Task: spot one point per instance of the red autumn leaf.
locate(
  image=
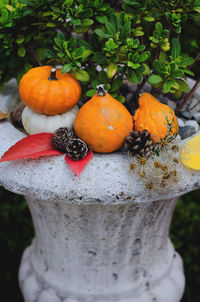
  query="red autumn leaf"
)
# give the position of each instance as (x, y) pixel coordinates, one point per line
(32, 146)
(78, 165)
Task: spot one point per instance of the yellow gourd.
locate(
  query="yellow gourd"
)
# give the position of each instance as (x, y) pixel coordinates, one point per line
(158, 119)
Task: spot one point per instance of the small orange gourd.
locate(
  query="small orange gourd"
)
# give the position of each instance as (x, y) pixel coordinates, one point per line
(48, 91)
(158, 119)
(103, 122)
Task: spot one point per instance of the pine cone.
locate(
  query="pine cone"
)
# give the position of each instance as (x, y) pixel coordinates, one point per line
(16, 115)
(76, 149)
(61, 137)
(138, 143)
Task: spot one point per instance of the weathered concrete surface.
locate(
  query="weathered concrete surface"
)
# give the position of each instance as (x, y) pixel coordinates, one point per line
(101, 253)
(100, 238)
(107, 179)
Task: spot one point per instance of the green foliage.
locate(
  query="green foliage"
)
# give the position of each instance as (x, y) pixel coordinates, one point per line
(133, 39)
(171, 70)
(160, 38)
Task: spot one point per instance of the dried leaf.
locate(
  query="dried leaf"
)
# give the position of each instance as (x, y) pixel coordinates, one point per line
(3, 115)
(78, 166)
(32, 146)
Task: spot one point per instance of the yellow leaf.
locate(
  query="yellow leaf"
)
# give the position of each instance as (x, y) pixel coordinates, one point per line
(3, 115)
(190, 153)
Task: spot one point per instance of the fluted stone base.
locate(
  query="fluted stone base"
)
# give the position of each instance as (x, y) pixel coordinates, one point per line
(101, 254)
(36, 288)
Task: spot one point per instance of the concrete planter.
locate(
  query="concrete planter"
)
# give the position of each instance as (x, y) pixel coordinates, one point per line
(100, 238)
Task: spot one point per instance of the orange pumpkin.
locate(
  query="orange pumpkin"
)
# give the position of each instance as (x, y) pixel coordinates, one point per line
(48, 91)
(158, 119)
(103, 122)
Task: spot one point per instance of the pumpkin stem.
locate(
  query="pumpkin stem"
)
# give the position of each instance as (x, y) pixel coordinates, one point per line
(52, 75)
(101, 90)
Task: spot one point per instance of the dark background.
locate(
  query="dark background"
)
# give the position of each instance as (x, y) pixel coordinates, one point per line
(16, 232)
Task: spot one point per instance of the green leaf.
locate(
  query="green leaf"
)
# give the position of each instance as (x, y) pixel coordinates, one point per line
(68, 3)
(159, 28)
(59, 42)
(66, 68)
(197, 9)
(114, 19)
(10, 8)
(81, 29)
(51, 24)
(108, 86)
(102, 33)
(175, 48)
(87, 22)
(20, 39)
(98, 58)
(125, 30)
(102, 19)
(136, 77)
(82, 42)
(177, 73)
(154, 40)
(110, 28)
(166, 87)
(48, 53)
(81, 75)
(72, 43)
(162, 56)
(8, 25)
(112, 69)
(98, 4)
(69, 55)
(91, 92)
(187, 61)
(147, 70)
(102, 77)
(86, 54)
(77, 54)
(4, 16)
(76, 22)
(60, 54)
(165, 46)
(174, 85)
(189, 72)
(155, 79)
(116, 84)
(21, 52)
(157, 67)
(121, 99)
(78, 64)
(94, 84)
(114, 95)
(143, 57)
(149, 19)
(110, 45)
(138, 33)
(183, 85)
(133, 65)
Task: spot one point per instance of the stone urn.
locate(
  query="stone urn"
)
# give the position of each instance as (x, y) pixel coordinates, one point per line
(102, 237)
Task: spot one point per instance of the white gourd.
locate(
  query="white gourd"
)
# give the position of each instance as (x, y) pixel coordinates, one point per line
(36, 123)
